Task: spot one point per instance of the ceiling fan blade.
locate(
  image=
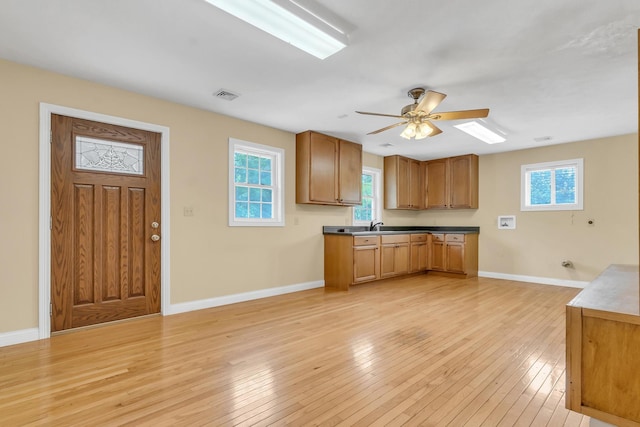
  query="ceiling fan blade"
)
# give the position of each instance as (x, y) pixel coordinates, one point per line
(434, 129)
(457, 115)
(430, 101)
(380, 114)
(388, 127)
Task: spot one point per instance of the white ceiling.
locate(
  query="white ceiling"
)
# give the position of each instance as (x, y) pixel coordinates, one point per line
(546, 68)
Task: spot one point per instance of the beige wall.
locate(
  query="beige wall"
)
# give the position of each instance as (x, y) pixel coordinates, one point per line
(542, 240)
(210, 259)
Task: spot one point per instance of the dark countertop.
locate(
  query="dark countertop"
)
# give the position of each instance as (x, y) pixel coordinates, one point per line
(354, 230)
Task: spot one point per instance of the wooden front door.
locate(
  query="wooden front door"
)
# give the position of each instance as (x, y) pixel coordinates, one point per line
(105, 222)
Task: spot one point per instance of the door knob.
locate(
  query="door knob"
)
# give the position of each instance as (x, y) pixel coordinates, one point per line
(155, 237)
(155, 225)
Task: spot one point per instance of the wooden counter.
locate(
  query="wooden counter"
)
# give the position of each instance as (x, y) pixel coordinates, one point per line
(603, 348)
(353, 258)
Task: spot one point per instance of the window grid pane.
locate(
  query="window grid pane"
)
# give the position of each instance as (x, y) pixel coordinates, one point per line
(565, 185)
(540, 187)
(256, 172)
(552, 186)
(364, 212)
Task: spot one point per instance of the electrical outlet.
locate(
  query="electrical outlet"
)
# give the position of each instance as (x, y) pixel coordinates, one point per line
(188, 211)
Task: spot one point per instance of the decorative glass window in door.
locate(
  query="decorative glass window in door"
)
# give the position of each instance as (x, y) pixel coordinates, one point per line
(101, 155)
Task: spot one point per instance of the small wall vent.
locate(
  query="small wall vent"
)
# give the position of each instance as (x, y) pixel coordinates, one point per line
(226, 94)
(543, 139)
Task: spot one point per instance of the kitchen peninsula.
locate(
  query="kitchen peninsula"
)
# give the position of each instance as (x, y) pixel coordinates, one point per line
(354, 255)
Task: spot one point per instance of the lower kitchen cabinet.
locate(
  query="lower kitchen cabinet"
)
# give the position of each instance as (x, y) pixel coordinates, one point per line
(419, 252)
(349, 260)
(394, 255)
(366, 259)
(455, 253)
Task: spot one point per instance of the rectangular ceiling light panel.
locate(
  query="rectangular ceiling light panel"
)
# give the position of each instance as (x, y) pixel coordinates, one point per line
(476, 130)
(289, 22)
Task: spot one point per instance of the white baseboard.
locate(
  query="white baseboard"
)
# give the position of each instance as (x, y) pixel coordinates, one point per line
(26, 335)
(18, 337)
(245, 296)
(534, 279)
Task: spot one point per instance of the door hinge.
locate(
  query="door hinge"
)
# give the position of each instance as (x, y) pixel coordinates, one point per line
(50, 223)
(50, 309)
(50, 137)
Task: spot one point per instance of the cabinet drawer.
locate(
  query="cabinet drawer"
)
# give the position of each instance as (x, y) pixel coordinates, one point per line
(455, 237)
(418, 237)
(437, 237)
(365, 240)
(395, 238)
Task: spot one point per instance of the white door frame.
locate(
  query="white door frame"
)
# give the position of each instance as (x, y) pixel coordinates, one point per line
(44, 254)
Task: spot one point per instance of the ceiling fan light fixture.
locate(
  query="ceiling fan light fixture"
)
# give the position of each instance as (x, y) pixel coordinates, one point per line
(423, 131)
(409, 132)
(290, 22)
(416, 131)
(480, 132)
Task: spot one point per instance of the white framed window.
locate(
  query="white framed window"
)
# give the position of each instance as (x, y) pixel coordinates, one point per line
(256, 184)
(371, 207)
(552, 186)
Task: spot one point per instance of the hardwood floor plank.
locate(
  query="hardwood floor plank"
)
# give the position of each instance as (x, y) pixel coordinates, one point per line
(453, 395)
(423, 350)
(509, 387)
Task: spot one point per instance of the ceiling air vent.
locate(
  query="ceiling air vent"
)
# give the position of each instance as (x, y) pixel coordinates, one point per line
(543, 139)
(226, 94)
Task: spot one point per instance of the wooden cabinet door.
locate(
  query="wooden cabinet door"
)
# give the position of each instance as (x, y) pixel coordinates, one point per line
(350, 173)
(323, 169)
(415, 185)
(394, 259)
(403, 183)
(387, 260)
(438, 256)
(419, 257)
(366, 263)
(402, 256)
(463, 182)
(437, 194)
(454, 257)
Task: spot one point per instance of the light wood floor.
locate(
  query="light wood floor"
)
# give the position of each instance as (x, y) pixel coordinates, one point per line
(420, 351)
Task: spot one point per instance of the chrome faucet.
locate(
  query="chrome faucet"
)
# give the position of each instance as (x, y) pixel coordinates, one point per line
(375, 226)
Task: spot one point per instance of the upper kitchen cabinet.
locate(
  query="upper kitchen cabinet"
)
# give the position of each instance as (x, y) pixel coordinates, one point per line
(452, 183)
(403, 183)
(328, 170)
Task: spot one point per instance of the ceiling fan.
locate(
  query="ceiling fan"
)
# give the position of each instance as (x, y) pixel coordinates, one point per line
(418, 116)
